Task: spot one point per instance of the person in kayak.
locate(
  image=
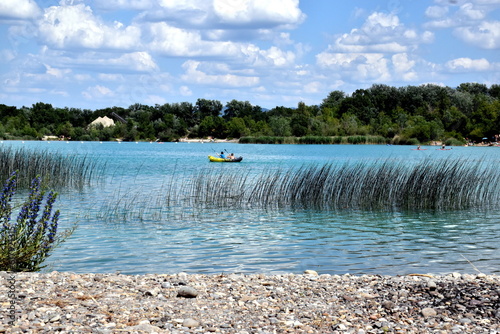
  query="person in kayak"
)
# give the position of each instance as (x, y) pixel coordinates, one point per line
(222, 155)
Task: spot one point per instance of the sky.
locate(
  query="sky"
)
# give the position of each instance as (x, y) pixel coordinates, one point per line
(94, 54)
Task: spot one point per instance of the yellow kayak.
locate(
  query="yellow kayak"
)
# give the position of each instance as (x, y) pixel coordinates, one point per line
(217, 159)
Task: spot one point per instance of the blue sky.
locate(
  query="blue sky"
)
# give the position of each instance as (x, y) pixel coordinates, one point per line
(103, 53)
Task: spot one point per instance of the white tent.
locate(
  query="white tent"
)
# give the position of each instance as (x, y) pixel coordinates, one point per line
(105, 121)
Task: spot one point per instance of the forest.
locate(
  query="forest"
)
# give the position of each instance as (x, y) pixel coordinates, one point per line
(469, 113)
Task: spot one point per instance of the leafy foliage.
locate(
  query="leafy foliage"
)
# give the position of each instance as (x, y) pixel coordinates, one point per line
(26, 242)
(408, 114)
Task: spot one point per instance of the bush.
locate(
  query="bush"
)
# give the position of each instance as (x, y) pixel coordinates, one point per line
(454, 142)
(337, 140)
(315, 140)
(356, 140)
(27, 242)
(267, 140)
(376, 140)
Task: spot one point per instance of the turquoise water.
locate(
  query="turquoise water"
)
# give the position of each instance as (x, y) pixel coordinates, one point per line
(126, 224)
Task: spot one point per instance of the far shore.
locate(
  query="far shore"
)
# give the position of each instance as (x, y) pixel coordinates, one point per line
(236, 141)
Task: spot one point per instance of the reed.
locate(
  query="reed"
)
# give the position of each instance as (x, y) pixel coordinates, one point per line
(316, 140)
(429, 184)
(56, 170)
(384, 185)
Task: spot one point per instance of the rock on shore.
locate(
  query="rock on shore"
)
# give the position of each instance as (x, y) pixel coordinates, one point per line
(290, 303)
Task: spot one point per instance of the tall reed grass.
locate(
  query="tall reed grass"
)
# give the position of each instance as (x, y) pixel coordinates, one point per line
(387, 185)
(429, 184)
(57, 170)
(319, 140)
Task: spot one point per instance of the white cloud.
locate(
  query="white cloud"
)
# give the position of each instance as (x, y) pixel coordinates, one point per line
(110, 77)
(82, 77)
(155, 99)
(138, 61)
(56, 72)
(436, 12)
(103, 62)
(7, 55)
(469, 20)
(402, 63)
(185, 91)
(468, 64)
(313, 87)
(486, 35)
(173, 41)
(404, 67)
(376, 51)
(255, 12)
(220, 18)
(469, 11)
(124, 4)
(98, 92)
(360, 66)
(380, 33)
(19, 9)
(76, 26)
(194, 75)
(273, 57)
(463, 14)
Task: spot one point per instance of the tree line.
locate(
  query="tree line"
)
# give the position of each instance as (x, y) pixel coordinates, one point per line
(410, 114)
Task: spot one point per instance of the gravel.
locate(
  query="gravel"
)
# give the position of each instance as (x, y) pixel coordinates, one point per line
(234, 303)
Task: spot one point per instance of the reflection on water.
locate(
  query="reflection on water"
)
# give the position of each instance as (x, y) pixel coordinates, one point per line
(125, 225)
(277, 242)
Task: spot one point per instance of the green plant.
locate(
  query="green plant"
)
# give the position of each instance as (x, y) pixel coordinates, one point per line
(57, 170)
(26, 242)
(454, 142)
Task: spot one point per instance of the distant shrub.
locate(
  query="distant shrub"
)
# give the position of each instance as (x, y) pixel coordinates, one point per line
(401, 140)
(338, 140)
(356, 139)
(315, 140)
(412, 141)
(454, 142)
(376, 140)
(267, 140)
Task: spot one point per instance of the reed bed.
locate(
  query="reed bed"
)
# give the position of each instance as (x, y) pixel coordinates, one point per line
(381, 185)
(57, 170)
(317, 140)
(384, 185)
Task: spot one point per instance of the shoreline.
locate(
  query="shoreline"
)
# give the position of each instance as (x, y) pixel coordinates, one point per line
(250, 303)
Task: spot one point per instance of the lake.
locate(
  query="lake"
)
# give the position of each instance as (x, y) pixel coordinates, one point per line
(133, 220)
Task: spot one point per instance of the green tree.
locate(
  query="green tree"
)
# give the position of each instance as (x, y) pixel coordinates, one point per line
(237, 128)
(205, 108)
(212, 126)
(280, 126)
(236, 108)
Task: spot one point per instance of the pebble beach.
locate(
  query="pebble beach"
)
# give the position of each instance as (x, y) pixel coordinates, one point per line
(65, 302)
